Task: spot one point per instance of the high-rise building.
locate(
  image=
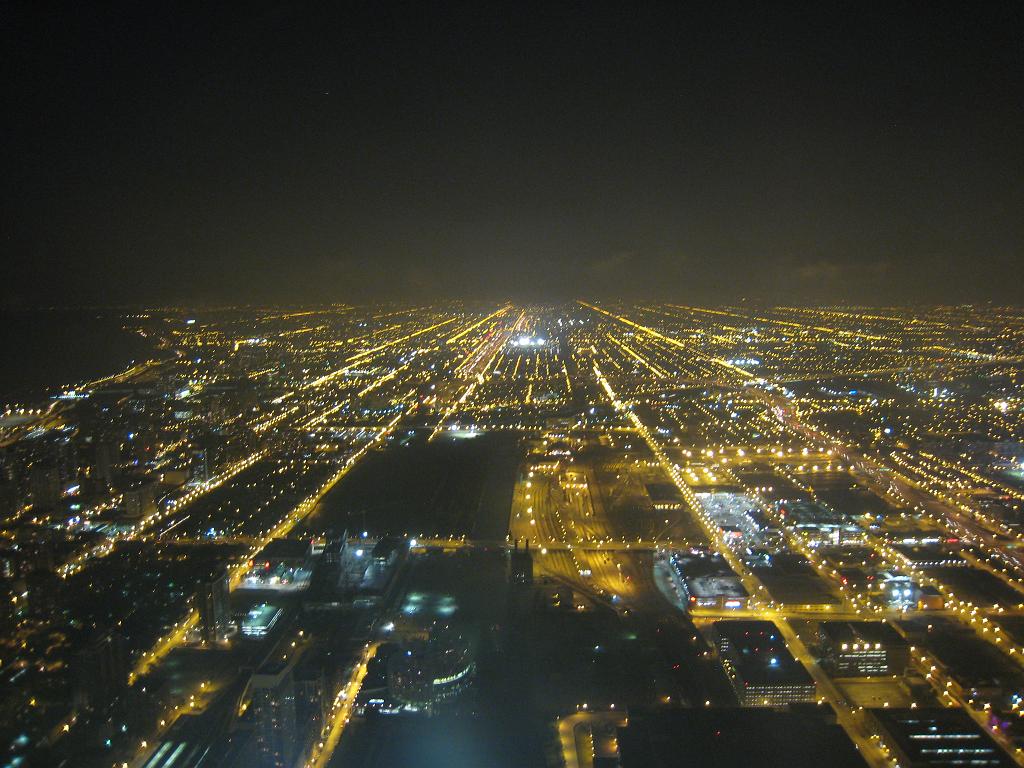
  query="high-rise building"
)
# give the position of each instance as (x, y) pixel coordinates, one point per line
(521, 564)
(44, 486)
(273, 705)
(200, 465)
(8, 498)
(213, 602)
(312, 697)
(100, 670)
(106, 458)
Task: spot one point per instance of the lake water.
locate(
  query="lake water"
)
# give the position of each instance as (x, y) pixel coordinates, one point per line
(44, 351)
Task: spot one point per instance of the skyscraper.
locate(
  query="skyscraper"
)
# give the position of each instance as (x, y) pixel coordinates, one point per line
(214, 605)
(273, 703)
(101, 669)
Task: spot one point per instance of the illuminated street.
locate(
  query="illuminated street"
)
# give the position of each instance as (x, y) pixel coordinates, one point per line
(658, 470)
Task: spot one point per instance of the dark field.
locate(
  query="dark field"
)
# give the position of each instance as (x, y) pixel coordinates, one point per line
(448, 487)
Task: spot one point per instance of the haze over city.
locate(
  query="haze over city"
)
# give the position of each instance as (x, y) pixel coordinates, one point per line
(352, 152)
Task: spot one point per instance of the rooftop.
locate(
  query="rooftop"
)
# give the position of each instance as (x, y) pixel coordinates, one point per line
(734, 738)
(940, 737)
(759, 652)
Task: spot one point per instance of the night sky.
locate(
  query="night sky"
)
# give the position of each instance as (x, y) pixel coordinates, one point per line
(860, 152)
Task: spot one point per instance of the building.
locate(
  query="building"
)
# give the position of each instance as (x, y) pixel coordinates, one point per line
(664, 496)
(923, 738)
(386, 551)
(260, 619)
(140, 499)
(273, 705)
(105, 458)
(897, 590)
(100, 670)
(213, 601)
(819, 523)
(862, 648)
(373, 693)
(292, 553)
(521, 564)
(735, 738)
(312, 693)
(284, 564)
(44, 487)
(762, 670)
(705, 580)
(199, 466)
(425, 674)
(930, 599)
(335, 549)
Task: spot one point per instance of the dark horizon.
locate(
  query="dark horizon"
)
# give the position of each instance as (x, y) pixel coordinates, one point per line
(867, 155)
